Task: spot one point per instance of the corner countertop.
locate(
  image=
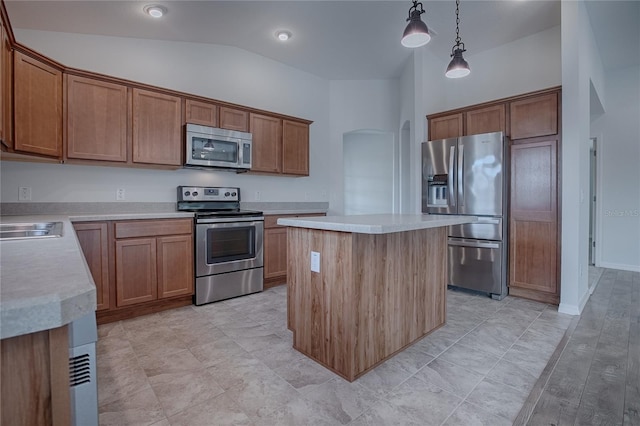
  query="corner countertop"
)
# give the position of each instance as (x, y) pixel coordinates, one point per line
(45, 281)
(377, 223)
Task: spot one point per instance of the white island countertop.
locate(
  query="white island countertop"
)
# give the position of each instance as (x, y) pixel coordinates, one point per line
(45, 281)
(377, 223)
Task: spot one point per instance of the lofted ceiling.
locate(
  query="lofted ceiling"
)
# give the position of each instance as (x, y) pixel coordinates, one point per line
(332, 39)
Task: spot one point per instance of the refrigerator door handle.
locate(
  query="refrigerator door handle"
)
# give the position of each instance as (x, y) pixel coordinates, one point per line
(452, 198)
(461, 175)
(453, 242)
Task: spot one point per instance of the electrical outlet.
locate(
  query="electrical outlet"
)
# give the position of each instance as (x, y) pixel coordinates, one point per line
(306, 196)
(24, 193)
(120, 194)
(324, 194)
(256, 196)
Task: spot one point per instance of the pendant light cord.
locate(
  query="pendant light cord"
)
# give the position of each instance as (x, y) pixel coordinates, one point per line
(458, 39)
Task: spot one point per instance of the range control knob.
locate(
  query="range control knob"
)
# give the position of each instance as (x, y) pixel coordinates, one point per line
(187, 193)
(233, 194)
(195, 193)
(226, 194)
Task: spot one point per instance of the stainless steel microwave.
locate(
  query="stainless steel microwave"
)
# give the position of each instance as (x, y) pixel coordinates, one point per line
(209, 147)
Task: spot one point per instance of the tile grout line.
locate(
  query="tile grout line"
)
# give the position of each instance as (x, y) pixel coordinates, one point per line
(536, 392)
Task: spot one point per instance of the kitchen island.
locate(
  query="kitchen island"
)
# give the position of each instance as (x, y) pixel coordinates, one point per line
(362, 288)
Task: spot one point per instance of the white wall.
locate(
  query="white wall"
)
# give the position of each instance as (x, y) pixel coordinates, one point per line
(358, 105)
(525, 65)
(219, 72)
(581, 70)
(618, 133)
(370, 181)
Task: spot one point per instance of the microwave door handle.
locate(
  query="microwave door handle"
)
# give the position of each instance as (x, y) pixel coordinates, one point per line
(461, 175)
(452, 198)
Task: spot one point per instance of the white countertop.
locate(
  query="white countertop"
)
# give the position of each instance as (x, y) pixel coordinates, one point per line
(45, 281)
(377, 223)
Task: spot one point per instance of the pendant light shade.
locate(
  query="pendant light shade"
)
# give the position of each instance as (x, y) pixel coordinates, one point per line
(458, 67)
(416, 33)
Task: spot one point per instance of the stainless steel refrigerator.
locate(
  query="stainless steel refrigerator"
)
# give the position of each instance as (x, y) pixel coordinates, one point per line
(467, 176)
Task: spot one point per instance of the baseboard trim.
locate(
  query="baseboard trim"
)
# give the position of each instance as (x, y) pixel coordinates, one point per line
(620, 266)
(571, 309)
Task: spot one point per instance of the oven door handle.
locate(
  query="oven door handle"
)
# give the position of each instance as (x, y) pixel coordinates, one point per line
(229, 220)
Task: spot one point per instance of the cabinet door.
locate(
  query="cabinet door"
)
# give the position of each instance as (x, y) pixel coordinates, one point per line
(234, 119)
(95, 246)
(535, 116)
(157, 128)
(175, 266)
(275, 252)
(485, 120)
(267, 143)
(96, 120)
(202, 113)
(449, 126)
(37, 107)
(136, 277)
(6, 94)
(295, 148)
(534, 218)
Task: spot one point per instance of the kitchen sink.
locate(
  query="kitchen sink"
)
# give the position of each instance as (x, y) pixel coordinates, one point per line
(20, 231)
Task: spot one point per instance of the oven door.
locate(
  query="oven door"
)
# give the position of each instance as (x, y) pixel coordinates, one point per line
(227, 245)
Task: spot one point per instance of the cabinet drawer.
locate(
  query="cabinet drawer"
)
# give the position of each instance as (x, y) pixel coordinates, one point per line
(271, 221)
(153, 228)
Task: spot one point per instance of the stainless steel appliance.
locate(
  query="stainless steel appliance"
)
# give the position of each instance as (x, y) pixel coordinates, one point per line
(228, 243)
(209, 147)
(467, 176)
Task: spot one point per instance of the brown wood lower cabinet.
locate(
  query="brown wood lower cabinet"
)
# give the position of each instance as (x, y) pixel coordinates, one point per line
(34, 379)
(94, 241)
(275, 249)
(139, 266)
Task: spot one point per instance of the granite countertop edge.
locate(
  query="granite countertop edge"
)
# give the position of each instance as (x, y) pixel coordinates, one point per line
(377, 224)
(46, 282)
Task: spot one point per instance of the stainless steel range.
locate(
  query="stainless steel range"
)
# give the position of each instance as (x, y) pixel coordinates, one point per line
(228, 243)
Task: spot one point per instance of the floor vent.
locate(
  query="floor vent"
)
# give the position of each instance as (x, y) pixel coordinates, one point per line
(80, 369)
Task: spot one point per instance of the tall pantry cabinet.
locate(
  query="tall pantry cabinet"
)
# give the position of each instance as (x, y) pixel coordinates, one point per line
(534, 213)
(532, 124)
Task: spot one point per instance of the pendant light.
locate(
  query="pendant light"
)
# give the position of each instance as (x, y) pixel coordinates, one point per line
(416, 34)
(458, 67)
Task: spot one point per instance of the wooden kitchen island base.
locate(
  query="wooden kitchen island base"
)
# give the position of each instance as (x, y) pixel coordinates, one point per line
(374, 295)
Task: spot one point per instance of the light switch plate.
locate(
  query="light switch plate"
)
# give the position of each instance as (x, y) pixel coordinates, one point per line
(315, 261)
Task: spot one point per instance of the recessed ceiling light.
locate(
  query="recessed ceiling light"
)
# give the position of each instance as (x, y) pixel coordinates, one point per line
(283, 35)
(155, 10)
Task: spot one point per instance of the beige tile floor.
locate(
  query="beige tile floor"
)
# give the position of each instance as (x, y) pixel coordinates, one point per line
(232, 363)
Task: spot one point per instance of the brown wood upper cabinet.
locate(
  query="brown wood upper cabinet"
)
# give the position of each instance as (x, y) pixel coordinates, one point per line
(202, 113)
(267, 143)
(234, 119)
(6, 92)
(534, 116)
(96, 120)
(37, 107)
(94, 241)
(295, 148)
(157, 128)
(485, 120)
(449, 126)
